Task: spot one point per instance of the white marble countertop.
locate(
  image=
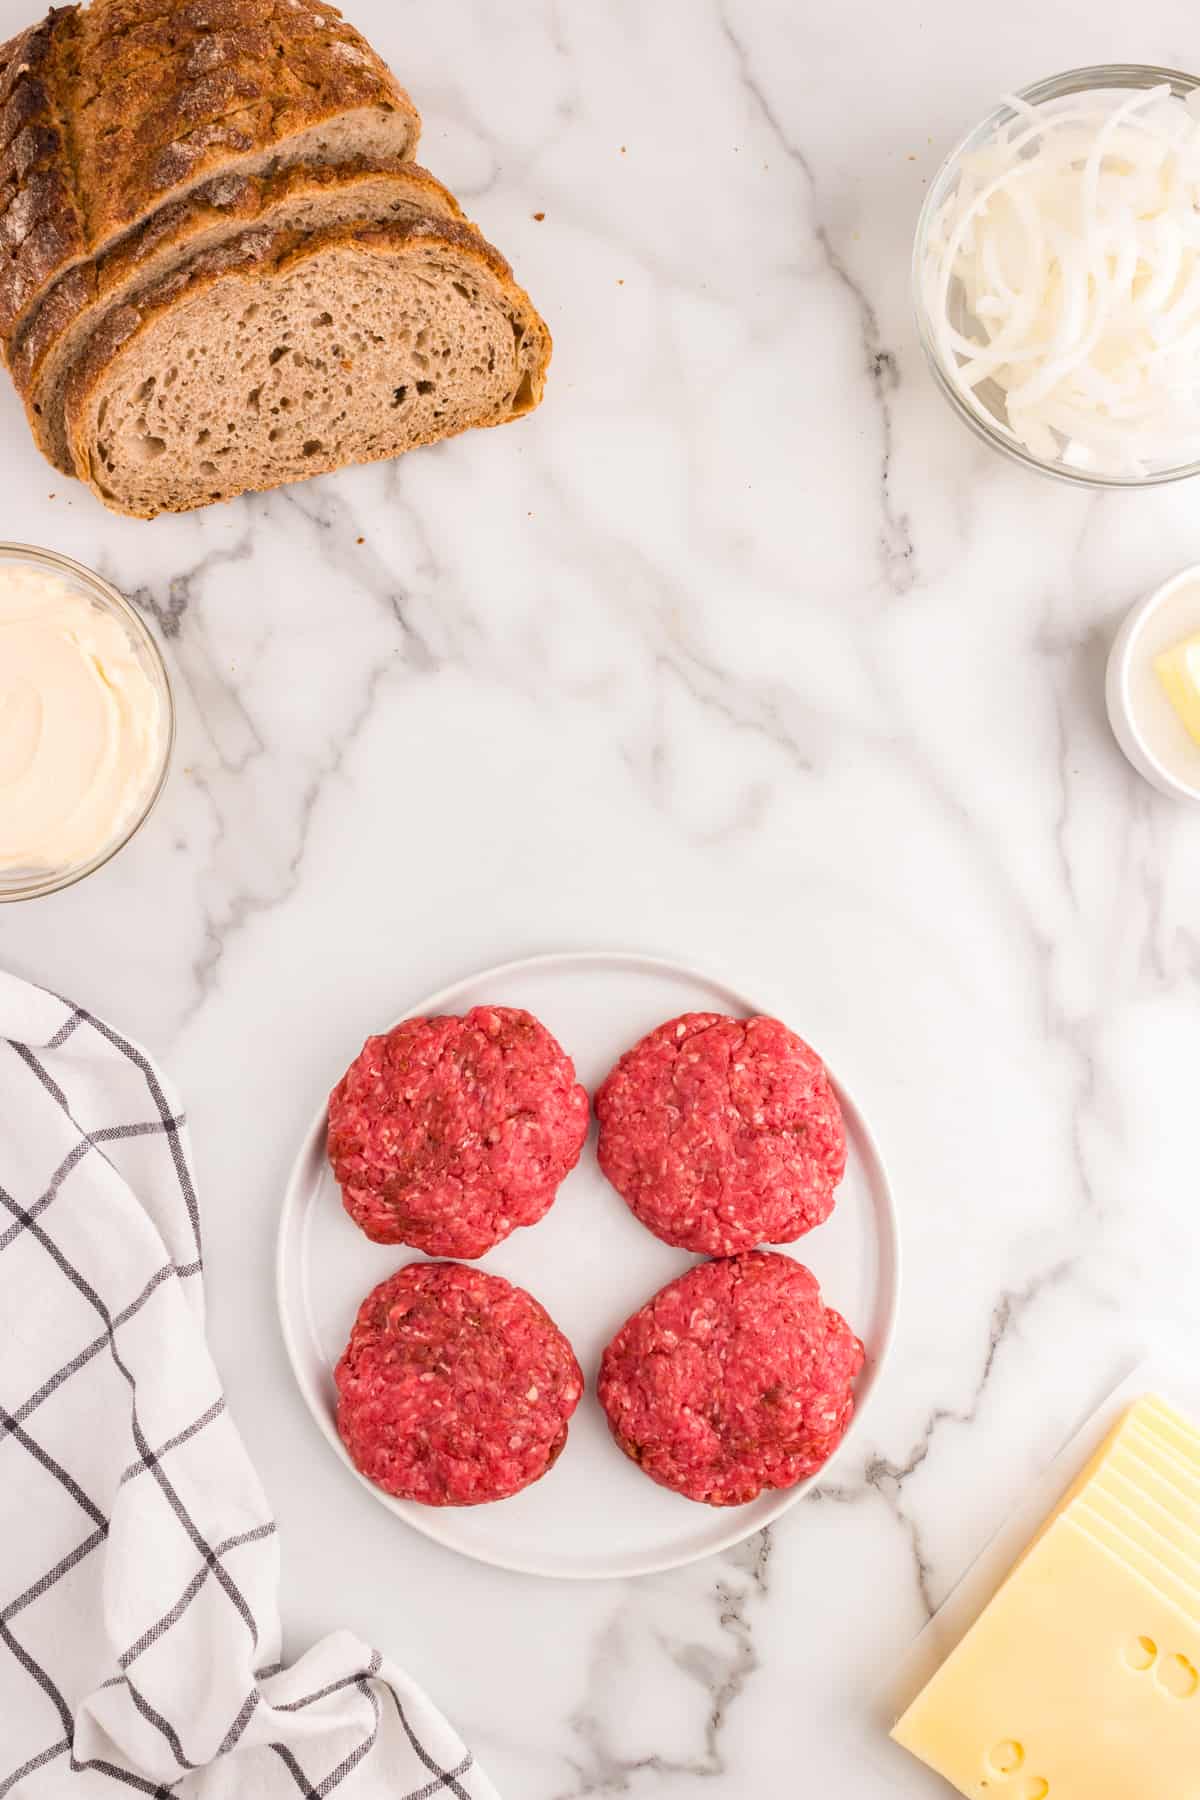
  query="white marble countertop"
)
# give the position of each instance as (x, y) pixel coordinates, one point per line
(742, 650)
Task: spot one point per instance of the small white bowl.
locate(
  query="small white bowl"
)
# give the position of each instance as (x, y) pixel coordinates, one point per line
(1145, 723)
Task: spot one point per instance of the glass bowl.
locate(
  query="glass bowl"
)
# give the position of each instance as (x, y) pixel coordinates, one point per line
(985, 412)
(28, 883)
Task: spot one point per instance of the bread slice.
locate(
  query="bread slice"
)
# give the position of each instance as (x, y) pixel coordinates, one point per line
(108, 112)
(300, 198)
(281, 355)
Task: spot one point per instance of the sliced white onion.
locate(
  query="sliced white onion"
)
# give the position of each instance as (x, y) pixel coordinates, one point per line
(1063, 267)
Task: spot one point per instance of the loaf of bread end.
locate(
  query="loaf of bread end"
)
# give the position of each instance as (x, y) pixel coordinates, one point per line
(300, 197)
(285, 354)
(110, 111)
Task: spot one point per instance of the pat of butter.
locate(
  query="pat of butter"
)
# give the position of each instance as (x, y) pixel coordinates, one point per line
(1081, 1679)
(1179, 671)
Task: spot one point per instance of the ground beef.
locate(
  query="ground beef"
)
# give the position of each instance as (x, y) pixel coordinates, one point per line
(722, 1134)
(447, 1133)
(455, 1388)
(734, 1378)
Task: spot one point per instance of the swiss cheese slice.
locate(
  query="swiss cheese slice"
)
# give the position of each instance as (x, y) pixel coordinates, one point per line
(1153, 1431)
(1081, 1679)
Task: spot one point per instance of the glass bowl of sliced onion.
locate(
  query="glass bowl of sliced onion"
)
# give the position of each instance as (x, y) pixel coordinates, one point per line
(1056, 274)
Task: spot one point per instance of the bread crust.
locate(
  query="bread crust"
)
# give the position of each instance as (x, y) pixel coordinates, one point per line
(108, 112)
(263, 253)
(229, 201)
(42, 225)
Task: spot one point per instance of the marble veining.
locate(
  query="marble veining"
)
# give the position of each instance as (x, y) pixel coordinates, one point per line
(885, 1477)
(742, 650)
(719, 1666)
(896, 549)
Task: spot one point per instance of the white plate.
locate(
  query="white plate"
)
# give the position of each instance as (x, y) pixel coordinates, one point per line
(590, 1264)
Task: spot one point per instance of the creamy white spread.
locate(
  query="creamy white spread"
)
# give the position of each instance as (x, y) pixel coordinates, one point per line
(81, 723)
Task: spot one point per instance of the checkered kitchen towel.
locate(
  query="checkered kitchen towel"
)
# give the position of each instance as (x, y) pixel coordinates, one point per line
(139, 1633)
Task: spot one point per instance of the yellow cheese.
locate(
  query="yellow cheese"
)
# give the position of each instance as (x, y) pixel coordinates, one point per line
(1140, 1431)
(1142, 1498)
(1081, 1679)
(1153, 1474)
(1109, 1529)
(1175, 1473)
(1079, 1682)
(1179, 671)
(1166, 1423)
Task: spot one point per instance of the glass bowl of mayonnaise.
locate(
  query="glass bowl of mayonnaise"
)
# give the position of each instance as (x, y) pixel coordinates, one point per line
(86, 722)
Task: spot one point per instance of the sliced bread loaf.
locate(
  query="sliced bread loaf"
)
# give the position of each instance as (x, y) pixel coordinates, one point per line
(109, 111)
(281, 354)
(299, 198)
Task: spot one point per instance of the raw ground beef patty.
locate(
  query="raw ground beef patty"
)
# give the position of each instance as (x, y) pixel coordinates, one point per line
(446, 1134)
(734, 1378)
(455, 1388)
(722, 1134)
